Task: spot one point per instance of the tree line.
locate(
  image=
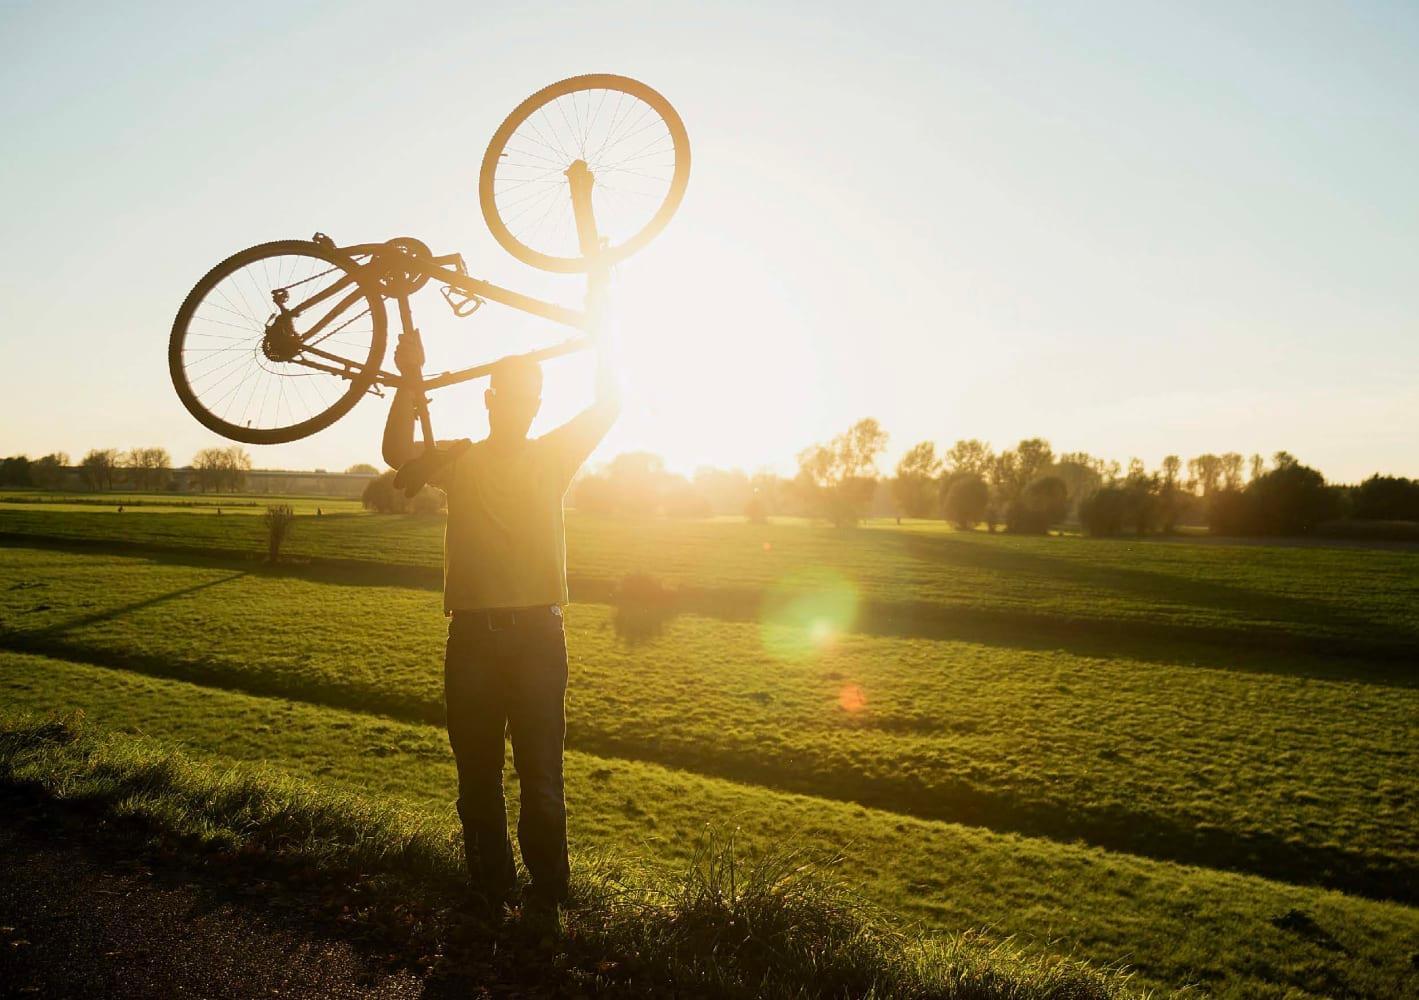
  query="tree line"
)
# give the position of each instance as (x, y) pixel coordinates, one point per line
(220, 470)
(1025, 489)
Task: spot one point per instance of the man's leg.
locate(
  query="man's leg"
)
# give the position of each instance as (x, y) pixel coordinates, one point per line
(537, 721)
(477, 724)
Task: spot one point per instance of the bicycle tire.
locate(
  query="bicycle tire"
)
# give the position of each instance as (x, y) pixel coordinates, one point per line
(326, 416)
(523, 112)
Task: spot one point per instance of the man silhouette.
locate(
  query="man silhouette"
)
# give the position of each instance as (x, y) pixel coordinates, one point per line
(505, 584)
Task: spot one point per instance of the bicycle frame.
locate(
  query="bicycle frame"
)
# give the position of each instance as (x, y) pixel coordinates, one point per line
(398, 271)
(450, 271)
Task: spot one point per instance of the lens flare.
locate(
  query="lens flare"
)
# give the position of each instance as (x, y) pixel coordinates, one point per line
(805, 613)
(852, 698)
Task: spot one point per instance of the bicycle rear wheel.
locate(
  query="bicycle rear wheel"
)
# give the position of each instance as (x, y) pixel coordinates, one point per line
(629, 136)
(277, 342)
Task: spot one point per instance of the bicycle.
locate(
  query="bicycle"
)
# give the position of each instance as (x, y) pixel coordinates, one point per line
(317, 349)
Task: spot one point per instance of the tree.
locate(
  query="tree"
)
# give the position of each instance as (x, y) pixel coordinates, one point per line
(1231, 464)
(1040, 506)
(1387, 498)
(1204, 474)
(149, 468)
(1170, 493)
(222, 468)
(837, 480)
(1258, 466)
(966, 500)
(48, 472)
(1081, 474)
(1005, 485)
(1035, 458)
(1141, 506)
(970, 457)
(914, 488)
(1291, 499)
(1013, 470)
(1102, 513)
(97, 468)
(15, 471)
(362, 469)
(238, 464)
(207, 463)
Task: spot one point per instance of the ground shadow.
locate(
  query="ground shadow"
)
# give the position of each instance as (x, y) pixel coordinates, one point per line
(1382, 661)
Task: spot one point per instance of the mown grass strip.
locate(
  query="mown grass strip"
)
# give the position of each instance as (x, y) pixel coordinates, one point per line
(1374, 657)
(1291, 778)
(775, 926)
(1366, 596)
(1238, 935)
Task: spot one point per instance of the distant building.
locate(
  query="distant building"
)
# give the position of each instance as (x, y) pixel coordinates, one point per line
(282, 482)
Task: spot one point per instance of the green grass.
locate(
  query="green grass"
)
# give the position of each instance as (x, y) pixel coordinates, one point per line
(170, 503)
(1361, 596)
(1236, 935)
(776, 926)
(1291, 777)
(1063, 739)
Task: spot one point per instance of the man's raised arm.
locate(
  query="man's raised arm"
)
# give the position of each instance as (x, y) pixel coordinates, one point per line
(574, 441)
(399, 444)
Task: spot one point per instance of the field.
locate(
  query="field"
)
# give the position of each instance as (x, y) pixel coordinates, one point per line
(1198, 760)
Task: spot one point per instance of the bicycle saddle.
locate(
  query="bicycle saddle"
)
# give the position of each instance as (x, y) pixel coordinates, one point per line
(413, 474)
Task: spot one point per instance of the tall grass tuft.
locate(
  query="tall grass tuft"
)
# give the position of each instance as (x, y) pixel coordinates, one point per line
(729, 925)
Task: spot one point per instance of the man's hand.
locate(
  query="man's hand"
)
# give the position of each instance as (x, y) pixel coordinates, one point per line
(409, 356)
(399, 444)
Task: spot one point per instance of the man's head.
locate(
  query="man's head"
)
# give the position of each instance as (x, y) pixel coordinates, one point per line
(514, 396)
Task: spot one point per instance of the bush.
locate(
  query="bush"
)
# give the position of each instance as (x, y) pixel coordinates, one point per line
(1142, 506)
(1386, 498)
(427, 501)
(279, 517)
(1229, 512)
(1103, 512)
(967, 498)
(381, 496)
(1291, 499)
(1042, 505)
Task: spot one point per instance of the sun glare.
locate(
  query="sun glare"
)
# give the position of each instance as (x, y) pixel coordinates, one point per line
(806, 612)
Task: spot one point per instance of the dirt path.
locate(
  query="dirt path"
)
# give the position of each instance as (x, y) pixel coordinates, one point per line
(80, 921)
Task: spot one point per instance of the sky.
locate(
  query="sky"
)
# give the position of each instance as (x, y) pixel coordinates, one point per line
(1131, 228)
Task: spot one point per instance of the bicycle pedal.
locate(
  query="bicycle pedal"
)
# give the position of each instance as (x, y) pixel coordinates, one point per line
(462, 305)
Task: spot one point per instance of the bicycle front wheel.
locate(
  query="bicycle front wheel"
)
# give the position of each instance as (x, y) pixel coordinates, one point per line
(630, 138)
(277, 342)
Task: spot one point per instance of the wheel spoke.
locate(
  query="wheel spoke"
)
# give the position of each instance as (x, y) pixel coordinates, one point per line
(626, 137)
(231, 364)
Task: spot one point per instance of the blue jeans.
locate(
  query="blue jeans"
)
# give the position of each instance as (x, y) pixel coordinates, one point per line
(510, 680)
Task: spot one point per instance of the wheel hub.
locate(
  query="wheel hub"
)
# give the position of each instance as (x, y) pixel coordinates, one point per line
(280, 342)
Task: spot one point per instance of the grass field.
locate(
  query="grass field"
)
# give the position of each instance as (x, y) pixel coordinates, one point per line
(923, 576)
(171, 503)
(1154, 753)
